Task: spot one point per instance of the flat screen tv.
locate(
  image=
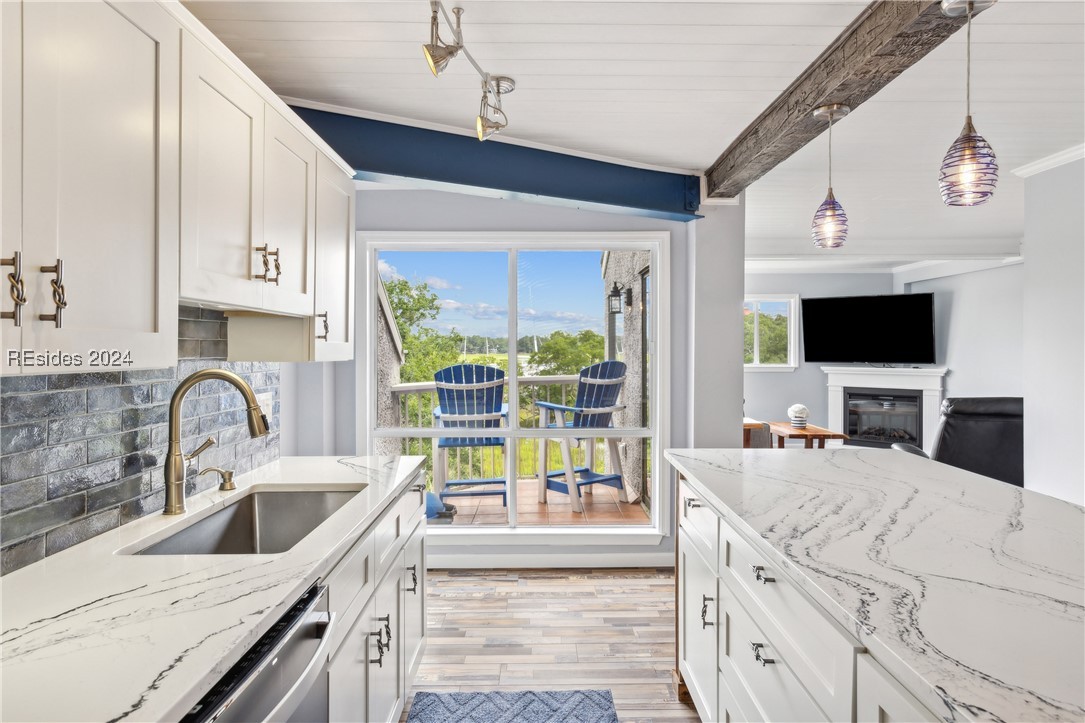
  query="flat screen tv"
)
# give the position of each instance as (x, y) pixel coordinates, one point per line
(892, 329)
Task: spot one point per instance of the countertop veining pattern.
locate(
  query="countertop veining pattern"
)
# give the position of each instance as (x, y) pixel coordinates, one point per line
(969, 591)
(90, 634)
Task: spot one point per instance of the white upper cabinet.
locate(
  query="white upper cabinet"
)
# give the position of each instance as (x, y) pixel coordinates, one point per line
(222, 156)
(90, 174)
(334, 309)
(290, 165)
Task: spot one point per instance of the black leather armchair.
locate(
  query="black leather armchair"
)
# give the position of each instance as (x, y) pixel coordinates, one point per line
(984, 435)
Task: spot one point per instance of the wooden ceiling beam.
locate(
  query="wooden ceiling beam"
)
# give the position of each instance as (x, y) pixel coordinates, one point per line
(887, 38)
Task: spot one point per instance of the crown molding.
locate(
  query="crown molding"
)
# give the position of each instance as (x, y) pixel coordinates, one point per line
(1074, 153)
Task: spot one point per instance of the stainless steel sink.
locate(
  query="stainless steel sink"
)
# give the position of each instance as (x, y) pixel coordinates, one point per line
(262, 522)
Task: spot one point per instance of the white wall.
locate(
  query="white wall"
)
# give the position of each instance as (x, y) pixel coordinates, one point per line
(978, 330)
(769, 394)
(1054, 332)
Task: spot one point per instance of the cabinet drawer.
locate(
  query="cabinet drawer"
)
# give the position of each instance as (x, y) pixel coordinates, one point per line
(351, 583)
(819, 651)
(879, 698)
(412, 505)
(700, 522)
(735, 704)
(397, 523)
(772, 688)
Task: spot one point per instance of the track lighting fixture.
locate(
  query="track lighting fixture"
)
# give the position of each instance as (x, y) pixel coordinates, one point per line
(830, 225)
(438, 53)
(969, 171)
(491, 118)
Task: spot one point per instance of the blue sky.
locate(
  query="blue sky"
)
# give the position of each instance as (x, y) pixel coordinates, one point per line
(558, 290)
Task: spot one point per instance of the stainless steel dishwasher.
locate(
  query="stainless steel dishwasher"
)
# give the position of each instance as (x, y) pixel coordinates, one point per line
(283, 676)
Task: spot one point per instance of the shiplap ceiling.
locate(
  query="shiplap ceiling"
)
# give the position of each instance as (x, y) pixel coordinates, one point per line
(670, 84)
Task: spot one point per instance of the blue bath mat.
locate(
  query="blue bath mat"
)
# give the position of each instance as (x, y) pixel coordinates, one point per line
(517, 706)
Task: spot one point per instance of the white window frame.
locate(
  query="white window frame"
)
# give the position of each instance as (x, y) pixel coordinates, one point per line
(792, 333)
(658, 429)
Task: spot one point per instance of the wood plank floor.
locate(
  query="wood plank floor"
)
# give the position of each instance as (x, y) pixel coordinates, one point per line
(554, 630)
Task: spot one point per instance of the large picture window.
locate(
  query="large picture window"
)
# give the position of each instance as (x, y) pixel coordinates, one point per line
(525, 340)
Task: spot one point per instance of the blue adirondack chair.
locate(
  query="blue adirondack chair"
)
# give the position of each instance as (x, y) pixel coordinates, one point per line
(469, 396)
(596, 401)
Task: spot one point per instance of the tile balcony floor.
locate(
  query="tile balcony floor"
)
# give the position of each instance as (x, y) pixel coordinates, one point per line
(601, 507)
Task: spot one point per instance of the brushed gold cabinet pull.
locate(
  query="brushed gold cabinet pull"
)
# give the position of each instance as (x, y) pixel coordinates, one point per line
(16, 287)
(265, 258)
(60, 299)
(324, 316)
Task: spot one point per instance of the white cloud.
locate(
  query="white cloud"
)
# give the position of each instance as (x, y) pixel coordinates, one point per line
(481, 310)
(436, 282)
(387, 271)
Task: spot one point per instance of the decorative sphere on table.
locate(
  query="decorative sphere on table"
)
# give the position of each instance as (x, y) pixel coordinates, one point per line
(798, 414)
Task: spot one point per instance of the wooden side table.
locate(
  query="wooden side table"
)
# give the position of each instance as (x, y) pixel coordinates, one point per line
(784, 430)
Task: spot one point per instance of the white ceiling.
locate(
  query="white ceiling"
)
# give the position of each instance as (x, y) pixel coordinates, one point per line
(671, 84)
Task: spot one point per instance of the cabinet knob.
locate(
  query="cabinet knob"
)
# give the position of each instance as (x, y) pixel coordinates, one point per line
(692, 502)
(704, 611)
(16, 288)
(757, 655)
(757, 570)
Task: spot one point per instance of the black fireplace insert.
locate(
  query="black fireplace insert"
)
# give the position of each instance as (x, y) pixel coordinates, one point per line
(882, 417)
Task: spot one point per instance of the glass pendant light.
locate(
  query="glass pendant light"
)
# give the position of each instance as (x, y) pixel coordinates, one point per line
(969, 171)
(830, 225)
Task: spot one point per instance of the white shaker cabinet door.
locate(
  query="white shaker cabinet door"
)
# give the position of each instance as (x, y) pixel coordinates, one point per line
(222, 153)
(99, 190)
(349, 671)
(414, 602)
(386, 687)
(334, 311)
(289, 205)
(697, 638)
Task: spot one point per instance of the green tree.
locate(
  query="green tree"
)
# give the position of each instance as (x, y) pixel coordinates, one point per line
(425, 350)
(564, 353)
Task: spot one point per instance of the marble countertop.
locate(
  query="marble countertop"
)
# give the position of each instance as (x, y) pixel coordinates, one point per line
(92, 635)
(968, 591)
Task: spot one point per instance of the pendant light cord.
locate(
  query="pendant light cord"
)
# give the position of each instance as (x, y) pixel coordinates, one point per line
(830, 149)
(968, 64)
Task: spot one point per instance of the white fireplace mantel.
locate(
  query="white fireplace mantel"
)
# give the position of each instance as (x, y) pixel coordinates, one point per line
(925, 379)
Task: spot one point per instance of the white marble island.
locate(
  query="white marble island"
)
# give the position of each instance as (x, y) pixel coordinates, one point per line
(94, 634)
(967, 591)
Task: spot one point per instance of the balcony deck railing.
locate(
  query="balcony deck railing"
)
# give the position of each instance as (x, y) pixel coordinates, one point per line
(414, 403)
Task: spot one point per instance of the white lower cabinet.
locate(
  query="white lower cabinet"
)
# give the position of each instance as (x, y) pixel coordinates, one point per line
(753, 646)
(386, 689)
(413, 572)
(348, 674)
(881, 699)
(379, 590)
(697, 651)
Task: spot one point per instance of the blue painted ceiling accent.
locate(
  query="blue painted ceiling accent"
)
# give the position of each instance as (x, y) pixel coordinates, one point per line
(378, 150)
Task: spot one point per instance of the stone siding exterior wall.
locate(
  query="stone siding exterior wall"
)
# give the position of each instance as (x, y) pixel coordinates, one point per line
(81, 454)
(387, 375)
(625, 269)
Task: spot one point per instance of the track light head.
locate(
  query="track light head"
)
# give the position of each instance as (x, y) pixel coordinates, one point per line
(491, 118)
(438, 56)
(437, 52)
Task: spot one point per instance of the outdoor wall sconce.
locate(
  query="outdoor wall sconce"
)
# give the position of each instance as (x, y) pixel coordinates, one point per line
(614, 298)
